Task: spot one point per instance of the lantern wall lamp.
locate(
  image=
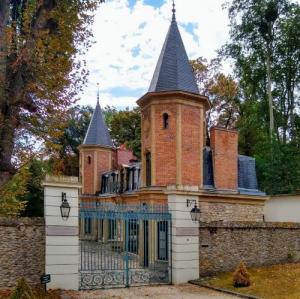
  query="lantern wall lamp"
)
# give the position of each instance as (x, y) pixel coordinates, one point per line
(195, 211)
(64, 207)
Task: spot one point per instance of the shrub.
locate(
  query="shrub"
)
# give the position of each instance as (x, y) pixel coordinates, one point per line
(22, 290)
(241, 277)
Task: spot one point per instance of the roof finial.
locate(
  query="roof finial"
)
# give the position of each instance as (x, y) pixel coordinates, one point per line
(98, 93)
(173, 11)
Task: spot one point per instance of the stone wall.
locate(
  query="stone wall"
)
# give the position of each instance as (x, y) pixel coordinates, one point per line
(228, 212)
(224, 245)
(22, 250)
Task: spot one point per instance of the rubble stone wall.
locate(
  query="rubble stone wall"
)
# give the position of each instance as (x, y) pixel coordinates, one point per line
(22, 250)
(222, 245)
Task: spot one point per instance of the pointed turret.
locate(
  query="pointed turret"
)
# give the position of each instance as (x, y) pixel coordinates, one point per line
(97, 153)
(173, 119)
(173, 71)
(97, 133)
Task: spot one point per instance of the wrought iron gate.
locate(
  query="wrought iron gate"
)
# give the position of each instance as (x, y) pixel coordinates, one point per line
(124, 245)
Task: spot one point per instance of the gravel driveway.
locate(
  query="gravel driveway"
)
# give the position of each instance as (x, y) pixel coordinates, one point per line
(184, 291)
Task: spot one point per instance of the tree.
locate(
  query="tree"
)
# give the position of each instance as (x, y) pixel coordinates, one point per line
(39, 73)
(267, 31)
(125, 127)
(34, 196)
(265, 48)
(222, 91)
(63, 150)
(11, 191)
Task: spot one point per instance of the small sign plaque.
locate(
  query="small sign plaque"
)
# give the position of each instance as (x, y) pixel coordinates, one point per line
(45, 278)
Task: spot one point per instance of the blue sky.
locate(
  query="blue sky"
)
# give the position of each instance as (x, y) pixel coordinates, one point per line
(129, 35)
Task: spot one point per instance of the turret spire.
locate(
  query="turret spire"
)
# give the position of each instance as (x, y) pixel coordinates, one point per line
(173, 71)
(97, 133)
(98, 93)
(173, 11)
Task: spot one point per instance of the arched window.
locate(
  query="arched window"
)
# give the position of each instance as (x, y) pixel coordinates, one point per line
(165, 120)
(89, 159)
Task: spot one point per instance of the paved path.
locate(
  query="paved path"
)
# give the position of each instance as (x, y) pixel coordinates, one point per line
(184, 291)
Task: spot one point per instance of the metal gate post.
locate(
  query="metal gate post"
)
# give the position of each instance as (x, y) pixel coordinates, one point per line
(126, 254)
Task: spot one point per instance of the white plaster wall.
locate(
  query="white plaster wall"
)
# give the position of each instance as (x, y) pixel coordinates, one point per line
(185, 240)
(62, 238)
(283, 209)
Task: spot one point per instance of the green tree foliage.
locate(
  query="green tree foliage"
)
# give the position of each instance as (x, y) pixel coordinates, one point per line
(125, 127)
(63, 150)
(34, 196)
(264, 47)
(12, 191)
(39, 72)
(222, 91)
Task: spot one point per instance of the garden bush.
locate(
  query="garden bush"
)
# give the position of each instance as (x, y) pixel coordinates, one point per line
(22, 290)
(241, 277)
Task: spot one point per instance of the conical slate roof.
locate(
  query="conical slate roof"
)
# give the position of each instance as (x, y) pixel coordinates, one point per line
(173, 71)
(97, 133)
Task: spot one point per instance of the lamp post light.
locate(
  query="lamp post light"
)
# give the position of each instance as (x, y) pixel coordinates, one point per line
(64, 207)
(195, 211)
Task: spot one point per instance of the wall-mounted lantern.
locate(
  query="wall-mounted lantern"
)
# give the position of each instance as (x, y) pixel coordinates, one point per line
(64, 207)
(195, 211)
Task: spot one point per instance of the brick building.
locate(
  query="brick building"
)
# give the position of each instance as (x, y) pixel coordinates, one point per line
(174, 155)
(177, 171)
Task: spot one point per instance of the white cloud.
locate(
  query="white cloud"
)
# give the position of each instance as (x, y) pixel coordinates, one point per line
(118, 30)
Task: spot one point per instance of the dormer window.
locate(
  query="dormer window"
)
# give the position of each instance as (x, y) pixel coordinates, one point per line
(89, 159)
(165, 120)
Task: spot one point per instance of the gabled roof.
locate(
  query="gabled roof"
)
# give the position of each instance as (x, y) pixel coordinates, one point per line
(173, 71)
(97, 133)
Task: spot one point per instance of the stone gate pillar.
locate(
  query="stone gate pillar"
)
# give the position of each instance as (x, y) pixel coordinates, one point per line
(62, 236)
(184, 239)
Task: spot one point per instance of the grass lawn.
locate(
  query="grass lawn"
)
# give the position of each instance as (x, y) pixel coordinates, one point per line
(273, 282)
(38, 293)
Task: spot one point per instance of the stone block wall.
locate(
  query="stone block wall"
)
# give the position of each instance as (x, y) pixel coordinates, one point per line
(223, 245)
(218, 211)
(22, 250)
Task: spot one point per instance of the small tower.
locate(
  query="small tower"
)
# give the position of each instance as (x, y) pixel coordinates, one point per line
(97, 153)
(173, 119)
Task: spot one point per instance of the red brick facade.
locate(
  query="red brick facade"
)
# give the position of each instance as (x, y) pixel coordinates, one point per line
(124, 156)
(176, 151)
(224, 145)
(164, 142)
(93, 163)
(192, 145)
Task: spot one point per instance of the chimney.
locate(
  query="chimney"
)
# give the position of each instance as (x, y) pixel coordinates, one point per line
(224, 146)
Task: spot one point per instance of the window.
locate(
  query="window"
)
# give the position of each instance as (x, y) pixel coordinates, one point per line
(89, 159)
(133, 235)
(112, 229)
(87, 226)
(148, 169)
(162, 240)
(165, 120)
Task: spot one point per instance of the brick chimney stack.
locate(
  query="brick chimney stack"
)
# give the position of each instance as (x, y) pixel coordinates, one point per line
(224, 146)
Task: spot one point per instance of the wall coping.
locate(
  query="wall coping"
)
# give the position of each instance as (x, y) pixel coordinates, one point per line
(22, 221)
(252, 225)
(61, 181)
